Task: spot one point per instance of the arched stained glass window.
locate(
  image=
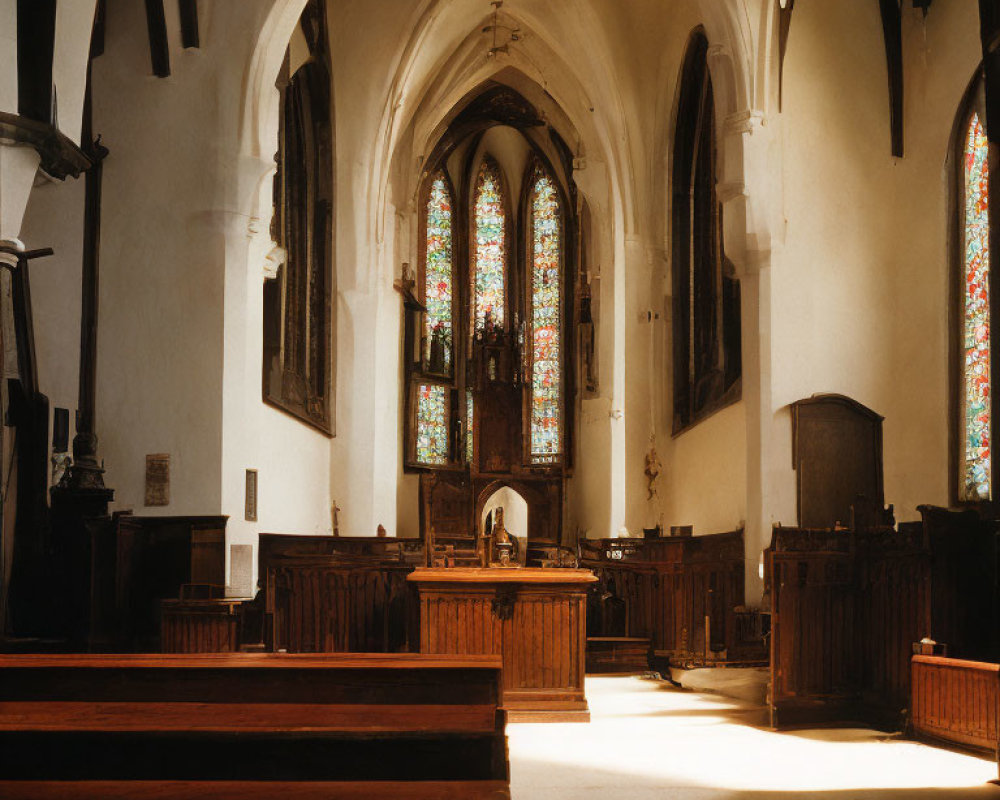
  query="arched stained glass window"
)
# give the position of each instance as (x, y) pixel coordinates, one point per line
(546, 320)
(439, 277)
(976, 391)
(489, 249)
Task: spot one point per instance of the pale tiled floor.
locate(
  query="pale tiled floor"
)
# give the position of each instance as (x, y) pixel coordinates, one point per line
(647, 740)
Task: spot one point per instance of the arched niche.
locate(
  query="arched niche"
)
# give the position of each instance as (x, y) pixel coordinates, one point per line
(515, 515)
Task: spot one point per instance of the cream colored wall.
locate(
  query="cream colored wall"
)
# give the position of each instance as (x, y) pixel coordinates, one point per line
(860, 290)
(841, 249)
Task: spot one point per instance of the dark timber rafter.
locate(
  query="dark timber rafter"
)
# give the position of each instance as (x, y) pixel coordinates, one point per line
(189, 23)
(784, 25)
(159, 49)
(892, 31)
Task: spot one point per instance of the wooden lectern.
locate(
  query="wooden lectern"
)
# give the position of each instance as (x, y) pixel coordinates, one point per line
(535, 619)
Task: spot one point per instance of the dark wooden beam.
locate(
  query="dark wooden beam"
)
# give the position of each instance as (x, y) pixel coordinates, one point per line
(923, 5)
(189, 23)
(892, 31)
(97, 32)
(36, 33)
(85, 473)
(60, 155)
(784, 25)
(159, 49)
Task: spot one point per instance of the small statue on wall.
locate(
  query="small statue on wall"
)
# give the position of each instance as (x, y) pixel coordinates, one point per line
(653, 467)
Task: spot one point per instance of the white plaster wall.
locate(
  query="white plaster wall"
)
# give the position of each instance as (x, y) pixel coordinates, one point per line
(74, 21)
(8, 56)
(54, 218)
(860, 291)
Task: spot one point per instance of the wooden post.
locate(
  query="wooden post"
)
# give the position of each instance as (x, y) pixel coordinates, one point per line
(86, 472)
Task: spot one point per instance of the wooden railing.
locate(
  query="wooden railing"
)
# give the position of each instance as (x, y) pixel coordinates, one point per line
(956, 701)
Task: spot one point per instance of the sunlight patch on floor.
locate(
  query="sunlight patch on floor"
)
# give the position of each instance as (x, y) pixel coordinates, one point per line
(646, 737)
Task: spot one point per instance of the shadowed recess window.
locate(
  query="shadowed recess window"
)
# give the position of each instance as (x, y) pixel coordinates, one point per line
(546, 322)
(706, 295)
(975, 392)
(298, 326)
(439, 280)
(490, 284)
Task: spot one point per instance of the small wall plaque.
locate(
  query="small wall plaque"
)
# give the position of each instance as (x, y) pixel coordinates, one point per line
(250, 513)
(158, 479)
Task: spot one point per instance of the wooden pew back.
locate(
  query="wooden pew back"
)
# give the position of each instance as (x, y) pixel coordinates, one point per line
(353, 720)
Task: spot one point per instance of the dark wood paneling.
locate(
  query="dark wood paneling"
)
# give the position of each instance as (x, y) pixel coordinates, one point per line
(200, 626)
(338, 594)
(837, 456)
(663, 590)
(154, 557)
(845, 609)
(534, 618)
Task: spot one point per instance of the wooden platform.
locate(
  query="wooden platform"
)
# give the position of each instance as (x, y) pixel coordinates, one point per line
(228, 725)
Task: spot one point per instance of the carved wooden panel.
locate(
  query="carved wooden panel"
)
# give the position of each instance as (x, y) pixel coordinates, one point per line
(535, 619)
(667, 588)
(837, 456)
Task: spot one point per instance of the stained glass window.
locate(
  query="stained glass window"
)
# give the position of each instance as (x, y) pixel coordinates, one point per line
(546, 373)
(438, 277)
(432, 424)
(976, 467)
(490, 250)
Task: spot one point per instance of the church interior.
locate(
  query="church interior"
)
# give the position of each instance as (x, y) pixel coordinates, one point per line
(526, 398)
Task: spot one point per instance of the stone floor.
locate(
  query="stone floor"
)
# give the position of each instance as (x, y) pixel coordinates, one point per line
(648, 739)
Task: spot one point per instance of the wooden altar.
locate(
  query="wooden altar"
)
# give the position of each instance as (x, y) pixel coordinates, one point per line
(534, 618)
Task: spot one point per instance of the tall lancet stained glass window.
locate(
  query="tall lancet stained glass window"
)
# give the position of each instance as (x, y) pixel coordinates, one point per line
(546, 336)
(489, 249)
(975, 333)
(439, 277)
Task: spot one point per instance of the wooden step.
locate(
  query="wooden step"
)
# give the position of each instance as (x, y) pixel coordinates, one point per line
(250, 790)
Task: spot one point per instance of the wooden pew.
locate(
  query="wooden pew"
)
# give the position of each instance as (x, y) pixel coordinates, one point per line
(252, 725)
(956, 702)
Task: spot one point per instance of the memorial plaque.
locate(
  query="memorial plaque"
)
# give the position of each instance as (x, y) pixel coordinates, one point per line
(241, 570)
(250, 510)
(158, 479)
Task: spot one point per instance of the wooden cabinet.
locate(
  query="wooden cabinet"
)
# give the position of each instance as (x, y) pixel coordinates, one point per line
(535, 619)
